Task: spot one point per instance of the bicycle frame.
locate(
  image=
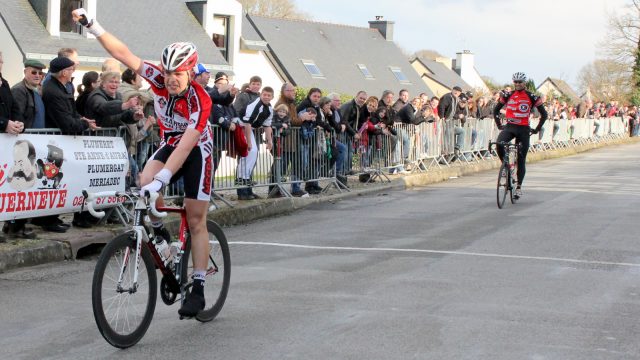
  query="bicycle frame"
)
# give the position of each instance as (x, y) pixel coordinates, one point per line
(142, 207)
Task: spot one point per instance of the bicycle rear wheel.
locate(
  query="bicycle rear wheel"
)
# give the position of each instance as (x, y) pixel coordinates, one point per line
(123, 311)
(218, 274)
(503, 185)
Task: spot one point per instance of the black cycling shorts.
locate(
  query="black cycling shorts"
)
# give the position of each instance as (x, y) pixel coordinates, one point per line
(197, 171)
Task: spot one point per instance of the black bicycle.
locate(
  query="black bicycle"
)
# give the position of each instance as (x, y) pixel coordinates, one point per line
(507, 176)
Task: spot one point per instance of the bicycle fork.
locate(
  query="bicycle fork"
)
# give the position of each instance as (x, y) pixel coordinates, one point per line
(141, 235)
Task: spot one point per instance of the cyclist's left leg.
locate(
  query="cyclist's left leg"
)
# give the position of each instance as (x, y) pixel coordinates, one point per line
(198, 175)
(522, 138)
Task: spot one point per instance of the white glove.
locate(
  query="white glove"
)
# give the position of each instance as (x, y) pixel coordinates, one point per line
(92, 26)
(162, 178)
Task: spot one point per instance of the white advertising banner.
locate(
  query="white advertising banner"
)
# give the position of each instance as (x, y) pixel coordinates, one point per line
(45, 174)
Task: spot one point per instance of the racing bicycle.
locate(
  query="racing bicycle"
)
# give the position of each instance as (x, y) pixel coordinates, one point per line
(507, 176)
(125, 287)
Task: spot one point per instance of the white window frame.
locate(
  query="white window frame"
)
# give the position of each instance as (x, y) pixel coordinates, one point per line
(310, 63)
(397, 70)
(365, 72)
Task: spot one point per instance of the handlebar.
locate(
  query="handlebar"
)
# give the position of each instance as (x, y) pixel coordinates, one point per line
(91, 197)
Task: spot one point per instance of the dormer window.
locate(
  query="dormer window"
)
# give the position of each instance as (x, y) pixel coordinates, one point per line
(220, 35)
(365, 72)
(67, 25)
(400, 76)
(312, 68)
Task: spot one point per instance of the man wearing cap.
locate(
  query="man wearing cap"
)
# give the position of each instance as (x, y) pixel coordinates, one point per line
(59, 104)
(27, 96)
(202, 76)
(453, 133)
(30, 111)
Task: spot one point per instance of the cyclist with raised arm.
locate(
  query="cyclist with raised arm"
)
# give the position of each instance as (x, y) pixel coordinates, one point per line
(182, 107)
(519, 104)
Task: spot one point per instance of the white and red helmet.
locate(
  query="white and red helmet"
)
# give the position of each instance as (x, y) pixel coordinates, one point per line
(179, 56)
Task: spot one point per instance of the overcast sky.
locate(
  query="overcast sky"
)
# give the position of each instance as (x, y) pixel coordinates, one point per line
(542, 38)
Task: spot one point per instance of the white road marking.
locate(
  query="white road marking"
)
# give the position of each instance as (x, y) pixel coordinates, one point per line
(442, 252)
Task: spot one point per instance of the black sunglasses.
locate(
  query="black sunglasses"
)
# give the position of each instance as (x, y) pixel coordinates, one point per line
(518, 82)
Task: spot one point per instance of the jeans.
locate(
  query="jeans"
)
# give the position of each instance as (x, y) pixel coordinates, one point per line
(133, 171)
(142, 153)
(341, 157)
(402, 134)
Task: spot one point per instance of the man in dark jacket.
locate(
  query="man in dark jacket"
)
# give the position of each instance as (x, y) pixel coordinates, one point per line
(60, 111)
(403, 99)
(30, 110)
(353, 115)
(447, 110)
(27, 98)
(59, 104)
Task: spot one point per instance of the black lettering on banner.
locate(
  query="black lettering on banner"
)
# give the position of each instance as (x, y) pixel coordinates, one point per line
(108, 181)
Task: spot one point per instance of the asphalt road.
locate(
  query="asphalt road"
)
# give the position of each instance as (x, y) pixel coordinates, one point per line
(430, 273)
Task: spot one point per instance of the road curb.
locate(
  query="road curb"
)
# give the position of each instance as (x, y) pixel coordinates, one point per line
(33, 252)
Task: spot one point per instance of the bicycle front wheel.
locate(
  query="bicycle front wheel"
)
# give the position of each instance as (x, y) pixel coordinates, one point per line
(503, 185)
(218, 275)
(122, 308)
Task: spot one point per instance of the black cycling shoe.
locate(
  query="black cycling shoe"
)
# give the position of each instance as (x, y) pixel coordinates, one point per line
(192, 305)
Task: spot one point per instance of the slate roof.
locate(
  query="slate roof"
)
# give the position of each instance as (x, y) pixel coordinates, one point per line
(250, 37)
(146, 26)
(564, 88)
(336, 50)
(441, 74)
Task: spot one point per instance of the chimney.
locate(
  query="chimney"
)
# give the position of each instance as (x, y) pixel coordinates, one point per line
(383, 26)
(464, 61)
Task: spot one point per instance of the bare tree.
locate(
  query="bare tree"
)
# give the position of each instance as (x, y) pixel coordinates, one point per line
(274, 8)
(622, 45)
(605, 79)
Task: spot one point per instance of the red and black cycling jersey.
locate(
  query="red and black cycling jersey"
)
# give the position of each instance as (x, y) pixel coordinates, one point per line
(178, 113)
(519, 104)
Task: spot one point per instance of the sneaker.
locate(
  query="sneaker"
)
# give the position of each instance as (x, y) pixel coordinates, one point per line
(518, 194)
(192, 305)
(299, 193)
(313, 190)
